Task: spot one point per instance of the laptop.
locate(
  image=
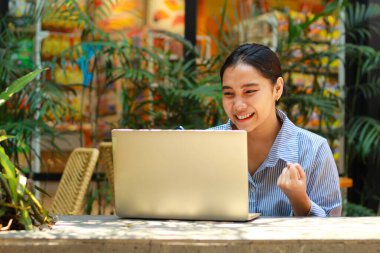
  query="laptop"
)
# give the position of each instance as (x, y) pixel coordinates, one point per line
(181, 174)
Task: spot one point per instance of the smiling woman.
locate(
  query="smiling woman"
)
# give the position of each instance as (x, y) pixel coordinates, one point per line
(291, 170)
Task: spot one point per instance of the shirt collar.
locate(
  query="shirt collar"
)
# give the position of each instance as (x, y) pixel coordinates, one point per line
(285, 147)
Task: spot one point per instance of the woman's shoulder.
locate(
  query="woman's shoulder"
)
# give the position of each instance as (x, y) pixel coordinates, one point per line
(290, 131)
(310, 136)
(306, 143)
(311, 141)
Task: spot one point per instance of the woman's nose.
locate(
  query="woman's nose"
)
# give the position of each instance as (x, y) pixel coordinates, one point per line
(240, 105)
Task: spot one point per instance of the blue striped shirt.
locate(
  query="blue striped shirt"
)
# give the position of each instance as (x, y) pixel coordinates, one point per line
(312, 152)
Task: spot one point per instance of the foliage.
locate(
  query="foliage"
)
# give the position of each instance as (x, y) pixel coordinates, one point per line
(19, 209)
(363, 132)
(185, 92)
(362, 129)
(156, 90)
(356, 21)
(354, 210)
(26, 114)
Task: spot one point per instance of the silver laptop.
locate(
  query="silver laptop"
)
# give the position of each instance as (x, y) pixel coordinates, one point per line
(181, 174)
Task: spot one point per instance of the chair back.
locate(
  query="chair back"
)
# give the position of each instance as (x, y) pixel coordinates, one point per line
(106, 157)
(76, 177)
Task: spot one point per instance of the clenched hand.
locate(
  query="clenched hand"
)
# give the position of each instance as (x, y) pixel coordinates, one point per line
(292, 182)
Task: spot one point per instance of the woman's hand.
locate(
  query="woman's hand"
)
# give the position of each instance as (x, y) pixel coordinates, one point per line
(292, 182)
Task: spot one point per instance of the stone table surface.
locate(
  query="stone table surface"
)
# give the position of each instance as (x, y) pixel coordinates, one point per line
(112, 234)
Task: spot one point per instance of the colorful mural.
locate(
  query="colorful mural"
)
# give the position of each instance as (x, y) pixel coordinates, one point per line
(123, 15)
(167, 15)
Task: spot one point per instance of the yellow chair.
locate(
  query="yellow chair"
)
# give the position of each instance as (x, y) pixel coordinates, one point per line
(106, 157)
(76, 177)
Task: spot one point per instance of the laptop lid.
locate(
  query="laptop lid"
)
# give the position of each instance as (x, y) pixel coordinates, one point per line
(188, 174)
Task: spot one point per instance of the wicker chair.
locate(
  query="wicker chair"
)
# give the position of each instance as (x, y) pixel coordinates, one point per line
(76, 177)
(106, 158)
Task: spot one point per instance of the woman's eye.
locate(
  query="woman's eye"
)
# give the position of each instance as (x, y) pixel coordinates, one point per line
(250, 91)
(227, 94)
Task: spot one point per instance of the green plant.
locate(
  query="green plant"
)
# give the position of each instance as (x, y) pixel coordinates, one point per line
(354, 210)
(185, 92)
(363, 132)
(19, 208)
(362, 129)
(30, 112)
(156, 91)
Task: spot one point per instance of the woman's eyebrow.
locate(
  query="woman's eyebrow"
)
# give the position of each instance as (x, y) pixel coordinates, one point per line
(249, 85)
(243, 86)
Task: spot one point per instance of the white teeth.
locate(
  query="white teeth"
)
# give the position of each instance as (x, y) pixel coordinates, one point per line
(244, 116)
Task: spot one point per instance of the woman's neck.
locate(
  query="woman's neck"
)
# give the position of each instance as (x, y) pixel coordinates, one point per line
(266, 132)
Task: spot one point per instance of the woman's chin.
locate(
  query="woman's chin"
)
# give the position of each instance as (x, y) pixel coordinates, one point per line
(244, 126)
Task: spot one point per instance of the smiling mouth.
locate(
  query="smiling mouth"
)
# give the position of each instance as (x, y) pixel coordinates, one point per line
(243, 117)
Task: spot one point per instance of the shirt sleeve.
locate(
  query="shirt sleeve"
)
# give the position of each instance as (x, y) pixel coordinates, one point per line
(323, 184)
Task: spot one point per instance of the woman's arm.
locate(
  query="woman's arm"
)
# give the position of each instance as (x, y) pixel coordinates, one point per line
(323, 184)
(317, 194)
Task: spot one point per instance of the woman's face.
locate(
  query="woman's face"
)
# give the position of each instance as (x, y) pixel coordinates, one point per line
(248, 97)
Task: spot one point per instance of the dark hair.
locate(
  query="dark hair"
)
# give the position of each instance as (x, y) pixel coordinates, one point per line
(258, 56)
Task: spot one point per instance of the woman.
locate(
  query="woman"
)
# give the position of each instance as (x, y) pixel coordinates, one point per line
(291, 170)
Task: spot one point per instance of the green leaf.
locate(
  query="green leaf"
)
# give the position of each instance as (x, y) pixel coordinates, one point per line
(18, 85)
(25, 217)
(42, 190)
(5, 186)
(364, 134)
(7, 164)
(370, 89)
(6, 137)
(10, 174)
(357, 19)
(3, 211)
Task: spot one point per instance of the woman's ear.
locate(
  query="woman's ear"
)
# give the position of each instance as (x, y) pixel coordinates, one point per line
(278, 88)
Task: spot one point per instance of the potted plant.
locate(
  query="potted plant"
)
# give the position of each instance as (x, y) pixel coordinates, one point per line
(19, 208)
(34, 109)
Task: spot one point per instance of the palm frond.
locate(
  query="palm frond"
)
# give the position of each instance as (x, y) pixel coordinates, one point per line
(363, 133)
(18, 85)
(371, 88)
(325, 104)
(372, 62)
(201, 94)
(356, 20)
(357, 53)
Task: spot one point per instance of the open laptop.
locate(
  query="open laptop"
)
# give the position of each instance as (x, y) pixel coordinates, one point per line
(181, 174)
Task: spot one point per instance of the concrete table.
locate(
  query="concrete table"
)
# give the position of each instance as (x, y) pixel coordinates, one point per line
(111, 234)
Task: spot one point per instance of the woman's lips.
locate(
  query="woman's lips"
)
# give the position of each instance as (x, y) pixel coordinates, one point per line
(244, 116)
